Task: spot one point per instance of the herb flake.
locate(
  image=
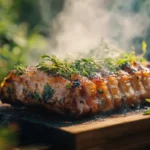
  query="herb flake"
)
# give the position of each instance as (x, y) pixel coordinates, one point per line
(35, 96)
(147, 100)
(147, 112)
(48, 92)
(68, 86)
(9, 90)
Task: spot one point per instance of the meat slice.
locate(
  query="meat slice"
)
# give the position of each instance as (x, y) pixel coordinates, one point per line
(114, 89)
(88, 92)
(136, 77)
(104, 97)
(79, 95)
(35, 87)
(136, 81)
(128, 93)
(55, 93)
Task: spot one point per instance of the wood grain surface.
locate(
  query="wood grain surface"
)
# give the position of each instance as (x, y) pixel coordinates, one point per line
(121, 133)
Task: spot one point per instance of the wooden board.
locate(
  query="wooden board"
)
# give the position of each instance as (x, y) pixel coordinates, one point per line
(118, 132)
(122, 133)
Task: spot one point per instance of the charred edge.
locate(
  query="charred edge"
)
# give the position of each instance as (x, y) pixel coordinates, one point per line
(76, 83)
(128, 68)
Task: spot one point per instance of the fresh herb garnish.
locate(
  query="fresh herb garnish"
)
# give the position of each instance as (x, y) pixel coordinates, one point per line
(83, 66)
(53, 65)
(10, 90)
(35, 96)
(68, 86)
(87, 66)
(144, 47)
(20, 69)
(48, 92)
(147, 100)
(147, 112)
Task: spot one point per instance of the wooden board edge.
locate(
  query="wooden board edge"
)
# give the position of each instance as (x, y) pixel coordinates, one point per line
(104, 124)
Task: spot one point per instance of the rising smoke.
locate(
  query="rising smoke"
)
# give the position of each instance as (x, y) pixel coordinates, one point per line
(82, 25)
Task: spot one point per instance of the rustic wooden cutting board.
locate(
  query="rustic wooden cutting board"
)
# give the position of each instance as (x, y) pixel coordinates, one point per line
(121, 133)
(115, 132)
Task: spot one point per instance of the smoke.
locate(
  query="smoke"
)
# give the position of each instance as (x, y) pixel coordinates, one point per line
(83, 24)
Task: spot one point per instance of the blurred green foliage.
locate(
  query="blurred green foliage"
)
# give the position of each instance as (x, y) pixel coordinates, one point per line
(8, 137)
(24, 27)
(13, 38)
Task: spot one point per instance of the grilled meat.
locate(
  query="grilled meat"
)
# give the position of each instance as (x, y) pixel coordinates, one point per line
(79, 95)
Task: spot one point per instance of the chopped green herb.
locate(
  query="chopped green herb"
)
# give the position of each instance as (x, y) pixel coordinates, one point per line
(35, 96)
(147, 100)
(147, 112)
(51, 64)
(83, 66)
(87, 66)
(9, 90)
(20, 69)
(48, 92)
(68, 86)
(144, 47)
